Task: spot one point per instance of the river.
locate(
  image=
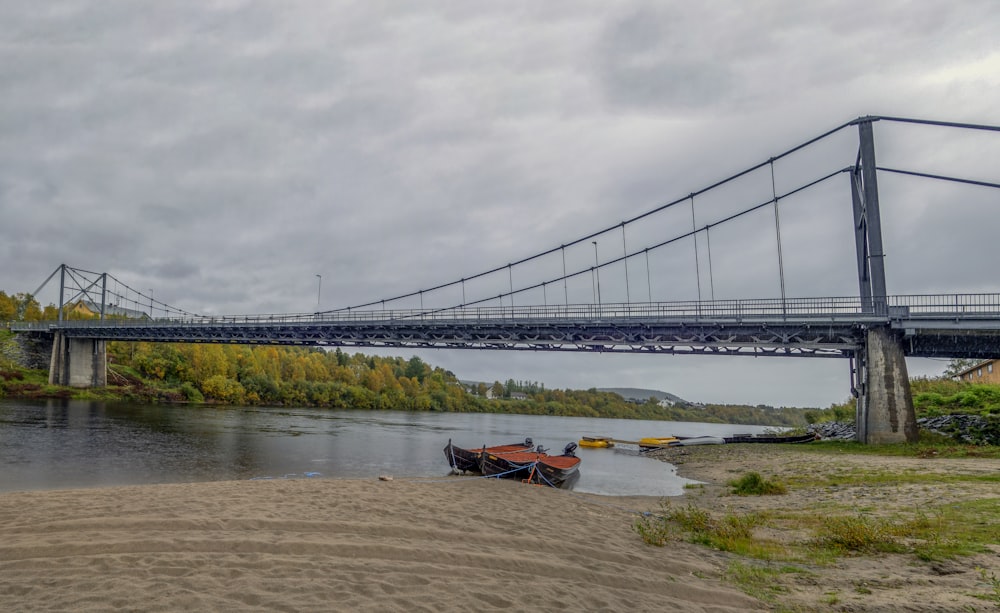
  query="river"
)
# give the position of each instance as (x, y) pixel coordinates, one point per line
(68, 444)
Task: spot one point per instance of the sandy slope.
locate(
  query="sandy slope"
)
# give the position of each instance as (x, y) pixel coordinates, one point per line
(456, 544)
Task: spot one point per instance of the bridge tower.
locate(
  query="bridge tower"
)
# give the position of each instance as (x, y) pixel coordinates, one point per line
(78, 362)
(880, 381)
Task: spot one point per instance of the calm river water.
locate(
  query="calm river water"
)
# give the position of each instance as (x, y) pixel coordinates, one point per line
(60, 444)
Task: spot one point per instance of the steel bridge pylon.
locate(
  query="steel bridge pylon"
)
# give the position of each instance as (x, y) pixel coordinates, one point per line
(885, 412)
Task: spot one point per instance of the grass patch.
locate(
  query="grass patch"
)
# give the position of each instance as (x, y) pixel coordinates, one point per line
(752, 484)
(991, 580)
(836, 524)
(854, 478)
(653, 530)
(861, 534)
(959, 529)
(945, 532)
(930, 446)
(759, 581)
(733, 532)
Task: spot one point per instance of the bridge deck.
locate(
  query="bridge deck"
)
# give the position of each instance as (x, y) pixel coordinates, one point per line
(949, 326)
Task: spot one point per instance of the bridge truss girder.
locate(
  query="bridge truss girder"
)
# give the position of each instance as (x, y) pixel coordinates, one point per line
(939, 340)
(799, 339)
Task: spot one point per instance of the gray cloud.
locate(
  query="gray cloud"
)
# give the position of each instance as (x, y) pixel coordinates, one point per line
(648, 62)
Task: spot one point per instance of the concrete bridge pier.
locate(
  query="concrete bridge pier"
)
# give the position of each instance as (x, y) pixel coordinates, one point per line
(78, 362)
(885, 406)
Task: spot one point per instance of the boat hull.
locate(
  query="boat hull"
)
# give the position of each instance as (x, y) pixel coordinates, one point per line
(657, 442)
(560, 471)
(700, 440)
(802, 438)
(511, 465)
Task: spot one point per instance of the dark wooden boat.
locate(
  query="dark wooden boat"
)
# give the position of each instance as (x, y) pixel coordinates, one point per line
(559, 471)
(466, 460)
(800, 438)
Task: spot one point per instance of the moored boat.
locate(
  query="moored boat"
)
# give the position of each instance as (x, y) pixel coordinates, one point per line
(599, 442)
(655, 442)
(464, 460)
(561, 471)
(798, 438)
(700, 440)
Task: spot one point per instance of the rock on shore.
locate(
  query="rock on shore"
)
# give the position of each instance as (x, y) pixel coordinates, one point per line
(968, 429)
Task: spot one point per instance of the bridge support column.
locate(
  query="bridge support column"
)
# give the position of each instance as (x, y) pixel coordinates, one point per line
(78, 362)
(885, 406)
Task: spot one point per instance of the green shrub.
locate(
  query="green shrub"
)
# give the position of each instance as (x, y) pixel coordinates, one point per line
(859, 533)
(657, 529)
(752, 484)
(653, 529)
(691, 519)
(191, 393)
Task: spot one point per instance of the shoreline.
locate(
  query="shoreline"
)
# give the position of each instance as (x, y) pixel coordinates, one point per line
(451, 544)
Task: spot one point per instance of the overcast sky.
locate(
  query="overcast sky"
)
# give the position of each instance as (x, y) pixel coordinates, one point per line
(225, 153)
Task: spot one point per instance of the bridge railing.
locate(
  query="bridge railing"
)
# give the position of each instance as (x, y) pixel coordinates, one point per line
(957, 306)
(950, 305)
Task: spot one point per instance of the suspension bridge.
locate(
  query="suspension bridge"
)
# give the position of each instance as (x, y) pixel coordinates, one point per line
(873, 329)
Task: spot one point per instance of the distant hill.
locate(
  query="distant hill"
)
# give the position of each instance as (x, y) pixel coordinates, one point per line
(631, 394)
(636, 394)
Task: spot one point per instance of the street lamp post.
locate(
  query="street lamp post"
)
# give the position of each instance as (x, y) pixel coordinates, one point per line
(319, 290)
(597, 267)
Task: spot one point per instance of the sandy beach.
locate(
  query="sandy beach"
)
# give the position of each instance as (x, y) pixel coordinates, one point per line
(455, 544)
(450, 544)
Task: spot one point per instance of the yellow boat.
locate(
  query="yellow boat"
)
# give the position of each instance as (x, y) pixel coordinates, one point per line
(661, 441)
(592, 441)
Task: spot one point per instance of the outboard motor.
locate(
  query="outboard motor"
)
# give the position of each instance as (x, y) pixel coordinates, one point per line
(541, 449)
(528, 442)
(569, 449)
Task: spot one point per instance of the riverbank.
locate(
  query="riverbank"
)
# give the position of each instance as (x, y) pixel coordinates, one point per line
(241, 375)
(458, 543)
(957, 498)
(452, 544)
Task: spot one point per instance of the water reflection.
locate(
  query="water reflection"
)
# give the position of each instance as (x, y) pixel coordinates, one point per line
(62, 444)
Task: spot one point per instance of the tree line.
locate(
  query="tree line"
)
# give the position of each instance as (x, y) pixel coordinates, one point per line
(301, 376)
(24, 307)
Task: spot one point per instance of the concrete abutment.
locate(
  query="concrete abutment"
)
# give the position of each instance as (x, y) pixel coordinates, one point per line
(885, 405)
(78, 362)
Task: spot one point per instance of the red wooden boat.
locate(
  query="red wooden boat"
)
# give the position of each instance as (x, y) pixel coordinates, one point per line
(560, 471)
(466, 460)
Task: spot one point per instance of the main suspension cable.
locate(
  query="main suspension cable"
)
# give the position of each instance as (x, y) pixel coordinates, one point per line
(592, 235)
